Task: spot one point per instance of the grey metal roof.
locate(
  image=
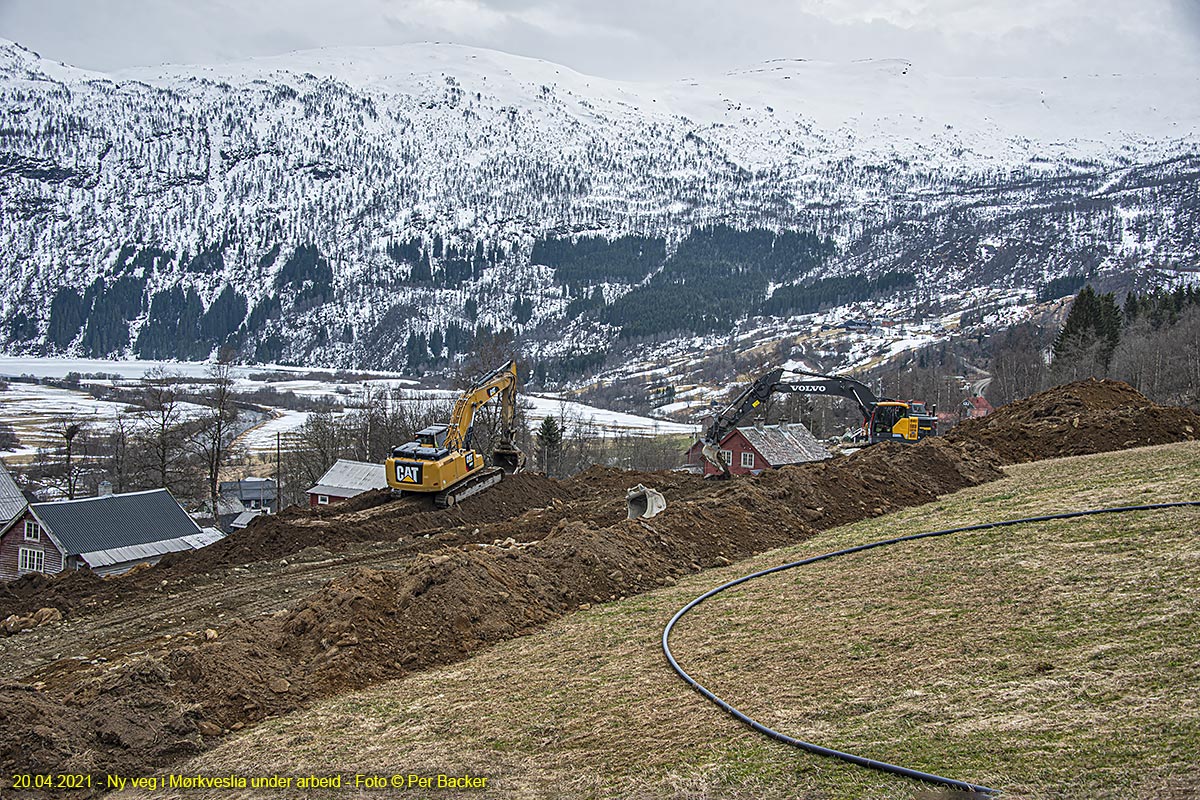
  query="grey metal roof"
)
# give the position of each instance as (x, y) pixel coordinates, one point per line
(243, 519)
(141, 552)
(116, 520)
(12, 502)
(250, 488)
(347, 478)
(785, 444)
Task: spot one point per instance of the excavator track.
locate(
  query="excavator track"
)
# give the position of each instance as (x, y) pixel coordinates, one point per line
(473, 485)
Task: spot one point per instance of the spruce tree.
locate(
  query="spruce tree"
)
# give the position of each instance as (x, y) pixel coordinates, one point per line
(1092, 330)
(549, 436)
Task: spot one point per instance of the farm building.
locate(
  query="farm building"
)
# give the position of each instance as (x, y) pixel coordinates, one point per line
(109, 534)
(251, 492)
(751, 449)
(978, 406)
(346, 479)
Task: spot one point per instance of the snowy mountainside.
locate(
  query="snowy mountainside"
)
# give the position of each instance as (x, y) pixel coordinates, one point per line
(381, 207)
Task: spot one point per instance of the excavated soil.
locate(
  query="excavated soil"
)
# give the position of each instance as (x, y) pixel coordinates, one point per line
(1093, 416)
(501, 565)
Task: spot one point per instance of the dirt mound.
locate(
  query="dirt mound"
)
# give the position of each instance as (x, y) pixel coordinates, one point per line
(879, 479)
(1092, 416)
(34, 590)
(376, 518)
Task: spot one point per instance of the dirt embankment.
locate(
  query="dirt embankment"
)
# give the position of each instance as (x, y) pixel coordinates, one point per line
(504, 564)
(1093, 416)
(372, 517)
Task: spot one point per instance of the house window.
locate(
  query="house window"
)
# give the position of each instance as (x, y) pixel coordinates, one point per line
(748, 460)
(33, 531)
(727, 456)
(255, 504)
(29, 560)
(322, 499)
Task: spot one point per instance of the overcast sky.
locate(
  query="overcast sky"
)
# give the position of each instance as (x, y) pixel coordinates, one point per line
(634, 39)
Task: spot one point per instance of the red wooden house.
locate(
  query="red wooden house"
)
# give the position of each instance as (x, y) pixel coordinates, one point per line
(347, 479)
(979, 407)
(750, 450)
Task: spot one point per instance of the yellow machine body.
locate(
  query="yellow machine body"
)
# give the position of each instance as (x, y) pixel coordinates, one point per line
(433, 476)
(893, 420)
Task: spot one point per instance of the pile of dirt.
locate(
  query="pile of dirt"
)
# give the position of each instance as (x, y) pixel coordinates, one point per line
(34, 590)
(522, 506)
(1092, 416)
(370, 625)
(376, 518)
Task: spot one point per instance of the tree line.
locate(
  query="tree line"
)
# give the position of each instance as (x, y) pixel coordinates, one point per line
(1151, 340)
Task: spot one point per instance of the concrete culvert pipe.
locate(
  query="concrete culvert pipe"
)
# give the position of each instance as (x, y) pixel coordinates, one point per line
(645, 503)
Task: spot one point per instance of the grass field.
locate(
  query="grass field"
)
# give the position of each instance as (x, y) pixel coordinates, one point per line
(1058, 660)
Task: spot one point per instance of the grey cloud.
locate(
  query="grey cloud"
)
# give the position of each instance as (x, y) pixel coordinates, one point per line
(632, 39)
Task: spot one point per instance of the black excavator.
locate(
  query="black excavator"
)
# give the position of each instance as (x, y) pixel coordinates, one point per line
(884, 420)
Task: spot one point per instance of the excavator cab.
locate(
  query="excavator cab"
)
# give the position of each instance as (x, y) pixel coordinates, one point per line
(429, 445)
(898, 421)
(433, 436)
(892, 421)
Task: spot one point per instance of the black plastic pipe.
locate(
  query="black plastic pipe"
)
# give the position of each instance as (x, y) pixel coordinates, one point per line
(863, 761)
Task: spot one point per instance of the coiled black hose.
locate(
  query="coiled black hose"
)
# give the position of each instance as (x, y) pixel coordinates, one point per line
(862, 761)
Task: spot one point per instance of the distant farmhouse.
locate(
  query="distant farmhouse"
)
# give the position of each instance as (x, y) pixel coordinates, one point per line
(109, 534)
(242, 500)
(254, 494)
(347, 479)
(751, 449)
(977, 407)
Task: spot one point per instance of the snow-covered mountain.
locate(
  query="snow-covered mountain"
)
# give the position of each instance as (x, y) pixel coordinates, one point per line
(379, 207)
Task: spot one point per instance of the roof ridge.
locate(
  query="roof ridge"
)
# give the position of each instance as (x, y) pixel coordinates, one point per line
(99, 497)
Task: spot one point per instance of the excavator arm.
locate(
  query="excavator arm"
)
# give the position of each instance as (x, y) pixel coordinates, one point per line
(501, 382)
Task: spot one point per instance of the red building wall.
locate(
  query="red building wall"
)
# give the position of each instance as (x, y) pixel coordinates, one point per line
(333, 498)
(13, 540)
(736, 443)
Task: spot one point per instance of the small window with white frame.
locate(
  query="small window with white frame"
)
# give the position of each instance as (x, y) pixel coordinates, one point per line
(33, 531)
(322, 499)
(30, 560)
(748, 460)
(727, 456)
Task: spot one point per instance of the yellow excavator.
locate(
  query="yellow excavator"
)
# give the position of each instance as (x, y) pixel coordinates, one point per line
(441, 462)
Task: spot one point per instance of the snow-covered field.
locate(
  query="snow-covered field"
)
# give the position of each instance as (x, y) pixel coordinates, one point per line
(34, 410)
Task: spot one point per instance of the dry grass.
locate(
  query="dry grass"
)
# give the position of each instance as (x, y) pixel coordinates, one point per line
(1050, 661)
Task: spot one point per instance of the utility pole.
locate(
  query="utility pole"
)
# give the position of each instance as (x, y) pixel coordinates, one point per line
(278, 473)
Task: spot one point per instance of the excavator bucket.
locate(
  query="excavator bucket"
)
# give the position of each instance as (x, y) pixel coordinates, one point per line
(644, 503)
(507, 457)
